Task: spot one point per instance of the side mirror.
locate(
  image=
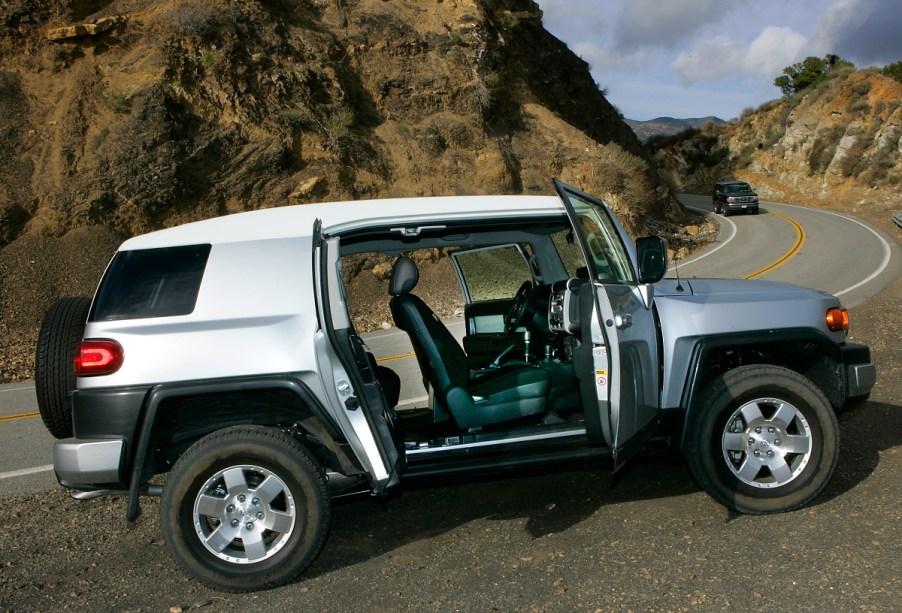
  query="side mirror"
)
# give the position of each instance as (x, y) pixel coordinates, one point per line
(652, 253)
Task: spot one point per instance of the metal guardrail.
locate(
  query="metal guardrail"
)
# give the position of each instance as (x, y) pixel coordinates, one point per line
(897, 217)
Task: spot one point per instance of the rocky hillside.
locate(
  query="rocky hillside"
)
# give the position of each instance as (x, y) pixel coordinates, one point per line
(122, 116)
(838, 143)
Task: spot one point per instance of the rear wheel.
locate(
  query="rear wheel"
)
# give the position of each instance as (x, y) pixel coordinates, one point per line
(762, 439)
(245, 508)
(54, 362)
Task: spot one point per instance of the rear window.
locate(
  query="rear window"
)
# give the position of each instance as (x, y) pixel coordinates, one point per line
(151, 283)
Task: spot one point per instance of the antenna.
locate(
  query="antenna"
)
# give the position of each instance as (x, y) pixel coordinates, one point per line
(676, 266)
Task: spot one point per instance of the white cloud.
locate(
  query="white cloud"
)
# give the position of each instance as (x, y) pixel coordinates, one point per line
(773, 50)
(603, 59)
(662, 23)
(579, 19)
(864, 31)
(720, 56)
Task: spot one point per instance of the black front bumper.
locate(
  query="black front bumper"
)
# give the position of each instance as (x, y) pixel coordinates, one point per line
(860, 372)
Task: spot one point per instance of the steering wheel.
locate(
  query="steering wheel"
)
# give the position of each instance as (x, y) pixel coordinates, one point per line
(517, 315)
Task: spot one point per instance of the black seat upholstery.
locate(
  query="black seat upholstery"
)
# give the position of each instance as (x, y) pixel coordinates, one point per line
(491, 398)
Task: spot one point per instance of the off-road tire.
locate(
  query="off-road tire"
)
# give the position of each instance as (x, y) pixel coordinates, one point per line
(715, 427)
(250, 456)
(54, 362)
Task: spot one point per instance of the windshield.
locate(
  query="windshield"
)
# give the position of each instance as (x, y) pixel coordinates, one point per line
(737, 188)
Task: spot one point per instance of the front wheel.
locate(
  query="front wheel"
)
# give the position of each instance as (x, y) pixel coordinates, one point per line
(762, 439)
(245, 508)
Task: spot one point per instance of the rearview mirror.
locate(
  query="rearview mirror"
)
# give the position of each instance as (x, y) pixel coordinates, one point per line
(652, 252)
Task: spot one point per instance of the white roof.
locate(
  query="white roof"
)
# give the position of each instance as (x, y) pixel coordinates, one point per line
(293, 221)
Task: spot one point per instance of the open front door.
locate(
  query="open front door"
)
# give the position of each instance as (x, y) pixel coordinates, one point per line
(618, 365)
(350, 374)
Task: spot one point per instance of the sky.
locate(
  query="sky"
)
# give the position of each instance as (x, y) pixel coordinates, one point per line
(695, 58)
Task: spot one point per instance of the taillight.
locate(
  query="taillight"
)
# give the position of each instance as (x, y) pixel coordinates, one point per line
(96, 357)
(838, 319)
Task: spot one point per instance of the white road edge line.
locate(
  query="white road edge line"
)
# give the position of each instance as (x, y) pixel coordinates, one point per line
(707, 253)
(18, 389)
(887, 253)
(26, 471)
(887, 250)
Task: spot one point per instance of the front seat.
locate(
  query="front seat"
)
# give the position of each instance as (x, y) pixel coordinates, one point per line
(494, 397)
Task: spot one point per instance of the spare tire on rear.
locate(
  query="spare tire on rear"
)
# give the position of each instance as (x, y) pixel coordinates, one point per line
(54, 363)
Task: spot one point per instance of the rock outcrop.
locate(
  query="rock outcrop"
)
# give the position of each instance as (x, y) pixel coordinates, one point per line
(837, 142)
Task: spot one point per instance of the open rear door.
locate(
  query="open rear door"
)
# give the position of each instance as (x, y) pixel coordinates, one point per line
(350, 373)
(620, 335)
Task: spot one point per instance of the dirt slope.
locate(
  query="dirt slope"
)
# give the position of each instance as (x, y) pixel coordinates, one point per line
(128, 116)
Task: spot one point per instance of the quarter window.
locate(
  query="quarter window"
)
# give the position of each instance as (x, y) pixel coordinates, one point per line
(151, 283)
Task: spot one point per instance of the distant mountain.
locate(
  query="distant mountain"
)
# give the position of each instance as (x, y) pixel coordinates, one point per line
(665, 126)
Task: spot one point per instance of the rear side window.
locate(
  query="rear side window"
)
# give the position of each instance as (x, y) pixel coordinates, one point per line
(151, 283)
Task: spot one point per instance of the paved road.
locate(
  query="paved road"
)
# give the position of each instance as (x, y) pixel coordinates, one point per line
(830, 252)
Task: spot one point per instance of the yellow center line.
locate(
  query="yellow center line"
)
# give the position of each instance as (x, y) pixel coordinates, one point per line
(18, 416)
(396, 357)
(800, 240)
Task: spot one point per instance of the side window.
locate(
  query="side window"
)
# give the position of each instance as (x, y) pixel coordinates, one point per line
(151, 283)
(569, 252)
(366, 278)
(493, 273)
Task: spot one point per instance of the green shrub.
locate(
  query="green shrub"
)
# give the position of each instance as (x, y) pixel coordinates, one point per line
(810, 72)
(118, 101)
(893, 70)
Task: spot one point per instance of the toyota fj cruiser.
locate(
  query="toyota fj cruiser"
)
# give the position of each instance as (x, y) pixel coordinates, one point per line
(222, 352)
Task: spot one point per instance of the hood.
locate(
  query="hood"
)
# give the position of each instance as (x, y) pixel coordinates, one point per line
(743, 289)
(753, 288)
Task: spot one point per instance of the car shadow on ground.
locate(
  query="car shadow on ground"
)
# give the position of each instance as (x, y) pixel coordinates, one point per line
(556, 500)
(550, 502)
(864, 432)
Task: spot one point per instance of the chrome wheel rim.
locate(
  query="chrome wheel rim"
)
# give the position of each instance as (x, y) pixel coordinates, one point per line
(767, 443)
(244, 514)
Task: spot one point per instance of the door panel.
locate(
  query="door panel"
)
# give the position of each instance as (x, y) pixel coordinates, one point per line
(634, 328)
(348, 376)
(622, 339)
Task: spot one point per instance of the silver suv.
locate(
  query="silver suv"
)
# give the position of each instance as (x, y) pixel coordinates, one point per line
(223, 353)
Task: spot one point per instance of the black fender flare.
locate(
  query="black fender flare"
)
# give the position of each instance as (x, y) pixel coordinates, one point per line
(319, 425)
(705, 345)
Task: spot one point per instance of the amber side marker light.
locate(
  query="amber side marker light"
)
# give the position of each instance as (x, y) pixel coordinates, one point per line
(838, 319)
(95, 357)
